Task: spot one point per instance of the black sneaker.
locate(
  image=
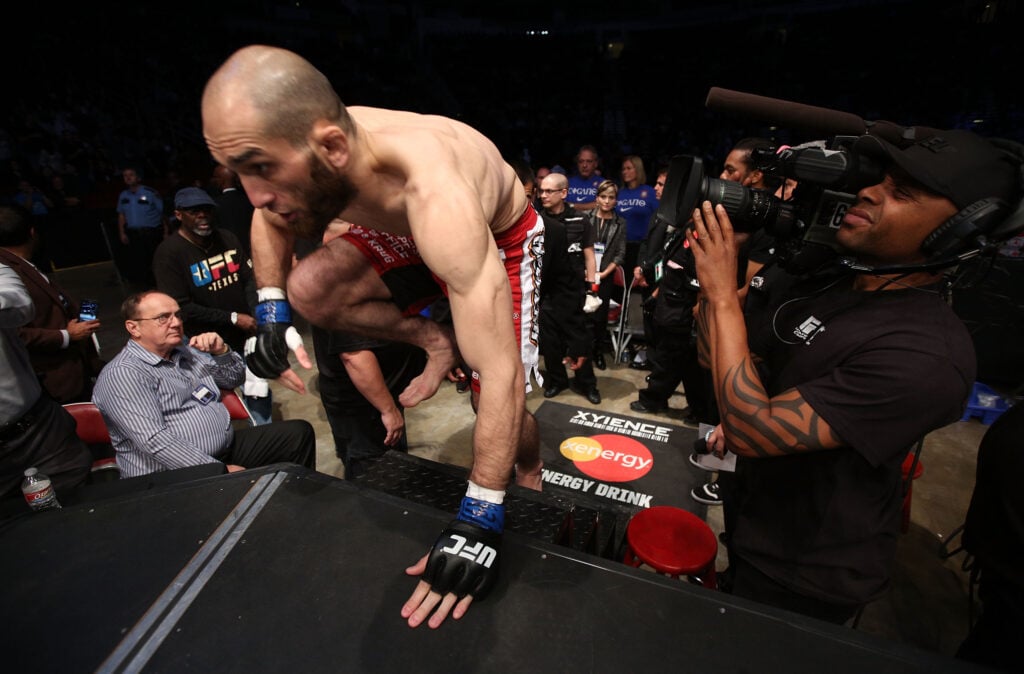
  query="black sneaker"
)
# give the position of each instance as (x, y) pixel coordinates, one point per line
(707, 494)
(650, 408)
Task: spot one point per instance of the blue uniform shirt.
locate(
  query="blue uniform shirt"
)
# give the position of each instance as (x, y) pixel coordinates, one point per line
(142, 208)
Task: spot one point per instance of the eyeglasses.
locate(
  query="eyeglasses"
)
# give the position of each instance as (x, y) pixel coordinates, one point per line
(553, 191)
(162, 319)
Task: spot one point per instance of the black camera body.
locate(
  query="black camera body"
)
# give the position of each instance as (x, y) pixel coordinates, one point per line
(828, 178)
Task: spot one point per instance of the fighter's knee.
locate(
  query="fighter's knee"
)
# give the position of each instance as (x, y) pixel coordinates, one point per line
(304, 292)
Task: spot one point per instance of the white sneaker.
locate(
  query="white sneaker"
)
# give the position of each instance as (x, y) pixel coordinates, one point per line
(706, 494)
(713, 463)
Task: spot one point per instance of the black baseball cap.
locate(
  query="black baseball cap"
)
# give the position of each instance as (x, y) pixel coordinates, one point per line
(959, 165)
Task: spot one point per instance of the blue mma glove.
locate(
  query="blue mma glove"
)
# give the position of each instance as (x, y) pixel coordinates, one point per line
(266, 354)
(464, 559)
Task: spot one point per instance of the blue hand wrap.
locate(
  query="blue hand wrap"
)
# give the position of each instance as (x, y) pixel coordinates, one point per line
(486, 515)
(273, 311)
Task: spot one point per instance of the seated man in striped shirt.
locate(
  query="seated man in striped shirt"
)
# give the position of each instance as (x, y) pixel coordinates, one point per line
(160, 399)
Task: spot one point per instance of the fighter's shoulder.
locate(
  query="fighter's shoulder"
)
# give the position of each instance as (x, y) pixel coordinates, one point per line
(404, 122)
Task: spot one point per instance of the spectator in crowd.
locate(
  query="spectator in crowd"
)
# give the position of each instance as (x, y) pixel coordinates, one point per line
(359, 380)
(820, 376)
(35, 430)
(62, 348)
(755, 250)
(994, 537)
(528, 179)
(637, 204)
(160, 399)
(234, 210)
(560, 336)
(170, 184)
(675, 345)
(647, 273)
(32, 199)
(208, 273)
(39, 206)
(609, 254)
(141, 226)
(564, 337)
(535, 179)
(582, 190)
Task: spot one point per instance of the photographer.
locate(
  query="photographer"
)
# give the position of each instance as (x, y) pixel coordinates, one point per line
(825, 380)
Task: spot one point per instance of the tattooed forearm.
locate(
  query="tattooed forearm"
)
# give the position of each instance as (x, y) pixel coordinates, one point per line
(756, 425)
(703, 333)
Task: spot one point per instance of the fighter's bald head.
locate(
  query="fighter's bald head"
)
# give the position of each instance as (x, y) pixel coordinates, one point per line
(282, 91)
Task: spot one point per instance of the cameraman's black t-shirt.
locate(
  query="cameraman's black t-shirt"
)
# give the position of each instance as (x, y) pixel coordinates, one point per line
(882, 369)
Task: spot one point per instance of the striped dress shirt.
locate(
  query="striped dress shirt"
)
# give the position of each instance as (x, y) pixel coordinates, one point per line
(155, 421)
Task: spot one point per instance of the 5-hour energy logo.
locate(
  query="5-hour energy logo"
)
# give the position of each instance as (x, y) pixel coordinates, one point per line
(608, 457)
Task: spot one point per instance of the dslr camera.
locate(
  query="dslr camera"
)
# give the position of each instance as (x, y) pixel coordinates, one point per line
(828, 173)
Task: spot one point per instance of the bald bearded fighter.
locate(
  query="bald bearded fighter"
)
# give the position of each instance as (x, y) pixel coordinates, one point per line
(304, 160)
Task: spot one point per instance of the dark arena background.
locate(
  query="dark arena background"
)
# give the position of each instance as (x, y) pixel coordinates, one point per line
(92, 87)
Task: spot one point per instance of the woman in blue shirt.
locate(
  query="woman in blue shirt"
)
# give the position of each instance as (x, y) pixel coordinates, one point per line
(636, 204)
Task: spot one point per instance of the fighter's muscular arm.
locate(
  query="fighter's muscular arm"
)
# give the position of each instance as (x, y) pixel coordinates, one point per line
(272, 247)
(754, 424)
(453, 239)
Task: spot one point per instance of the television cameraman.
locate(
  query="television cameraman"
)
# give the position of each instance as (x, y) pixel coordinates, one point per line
(824, 381)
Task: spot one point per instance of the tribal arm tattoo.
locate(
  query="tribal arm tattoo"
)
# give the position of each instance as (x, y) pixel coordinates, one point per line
(758, 426)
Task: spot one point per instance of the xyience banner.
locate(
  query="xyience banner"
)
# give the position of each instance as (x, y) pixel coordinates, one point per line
(627, 460)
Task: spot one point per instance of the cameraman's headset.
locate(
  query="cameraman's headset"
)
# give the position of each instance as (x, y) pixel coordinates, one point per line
(978, 227)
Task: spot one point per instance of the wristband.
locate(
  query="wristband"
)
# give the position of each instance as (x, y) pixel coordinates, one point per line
(595, 287)
(473, 490)
(270, 293)
(486, 515)
(234, 318)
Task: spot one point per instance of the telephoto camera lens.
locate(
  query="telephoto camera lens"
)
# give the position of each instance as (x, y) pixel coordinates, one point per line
(749, 209)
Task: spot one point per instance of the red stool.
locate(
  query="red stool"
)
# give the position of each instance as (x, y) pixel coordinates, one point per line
(674, 542)
(908, 482)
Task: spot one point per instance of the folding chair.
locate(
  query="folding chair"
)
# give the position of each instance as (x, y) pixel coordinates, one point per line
(912, 469)
(92, 430)
(237, 409)
(631, 322)
(618, 304)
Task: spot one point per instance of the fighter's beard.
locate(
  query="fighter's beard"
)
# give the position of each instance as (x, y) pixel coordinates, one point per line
(328, 196)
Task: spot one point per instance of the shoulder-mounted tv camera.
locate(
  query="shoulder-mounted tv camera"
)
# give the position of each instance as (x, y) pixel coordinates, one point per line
(828, 174)
(803, 224)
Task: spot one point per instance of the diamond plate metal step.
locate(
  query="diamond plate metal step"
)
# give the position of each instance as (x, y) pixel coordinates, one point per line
(556, 515)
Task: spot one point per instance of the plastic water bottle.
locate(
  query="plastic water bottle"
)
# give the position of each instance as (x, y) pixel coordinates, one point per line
(38, 491)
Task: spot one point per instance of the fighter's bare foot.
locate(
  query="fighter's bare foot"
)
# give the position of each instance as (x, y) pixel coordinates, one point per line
(441, 358)
(530, 477)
